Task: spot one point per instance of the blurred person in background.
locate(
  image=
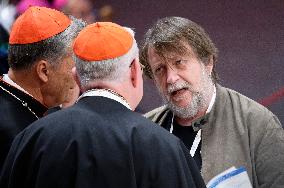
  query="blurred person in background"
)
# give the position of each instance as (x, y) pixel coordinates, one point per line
(23, 5)
(106, 13)
(83, 9)
(7, 17)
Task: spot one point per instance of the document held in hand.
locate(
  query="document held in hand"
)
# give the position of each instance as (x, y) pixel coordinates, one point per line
(231, 178)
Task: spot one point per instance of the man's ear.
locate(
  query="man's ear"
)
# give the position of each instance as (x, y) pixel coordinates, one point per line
(42, 70)
(135, 71)
(76, 77)
(209, 66)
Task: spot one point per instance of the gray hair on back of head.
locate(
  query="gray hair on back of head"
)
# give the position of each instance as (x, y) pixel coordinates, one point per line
(110, 70)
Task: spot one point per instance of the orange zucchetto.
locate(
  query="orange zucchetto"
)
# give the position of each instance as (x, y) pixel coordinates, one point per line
(102, 41)
(37, 24)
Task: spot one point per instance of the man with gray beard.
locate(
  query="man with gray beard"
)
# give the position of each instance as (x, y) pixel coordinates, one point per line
(220, 127)
(200, 97)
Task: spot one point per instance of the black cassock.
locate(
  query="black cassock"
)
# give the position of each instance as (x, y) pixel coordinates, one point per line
(15, 115)
(98, 143)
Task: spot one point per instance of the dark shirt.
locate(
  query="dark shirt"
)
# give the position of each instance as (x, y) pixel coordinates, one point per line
(187, 135)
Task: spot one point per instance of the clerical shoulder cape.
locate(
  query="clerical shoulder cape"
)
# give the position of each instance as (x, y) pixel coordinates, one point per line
(98, 143)
(15, 115)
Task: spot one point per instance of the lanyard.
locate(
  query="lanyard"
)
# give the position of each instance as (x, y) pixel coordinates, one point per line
(197, 138)
(196, 141)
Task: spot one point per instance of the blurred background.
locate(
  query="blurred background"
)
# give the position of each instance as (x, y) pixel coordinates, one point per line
(249, 35)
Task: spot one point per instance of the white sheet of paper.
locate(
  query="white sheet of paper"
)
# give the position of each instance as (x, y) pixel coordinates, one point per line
(231, 178)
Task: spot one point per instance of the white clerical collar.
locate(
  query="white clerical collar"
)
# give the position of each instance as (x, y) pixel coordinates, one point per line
(108, 93)
(212, 100)
(8, 80)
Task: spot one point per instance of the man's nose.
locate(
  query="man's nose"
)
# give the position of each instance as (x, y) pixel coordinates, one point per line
(172, 75)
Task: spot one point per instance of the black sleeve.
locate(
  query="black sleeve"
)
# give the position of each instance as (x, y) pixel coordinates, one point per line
(7, 170)
(166, 161)
(196, 176)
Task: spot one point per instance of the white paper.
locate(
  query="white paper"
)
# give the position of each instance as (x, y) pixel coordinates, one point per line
(231, 178)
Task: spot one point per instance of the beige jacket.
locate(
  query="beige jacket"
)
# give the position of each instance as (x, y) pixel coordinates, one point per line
(239, 132)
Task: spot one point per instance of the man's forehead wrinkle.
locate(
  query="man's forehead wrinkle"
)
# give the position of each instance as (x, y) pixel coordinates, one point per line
(174, 55)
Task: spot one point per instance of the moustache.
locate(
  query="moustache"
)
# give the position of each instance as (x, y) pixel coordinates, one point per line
(178, 86)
